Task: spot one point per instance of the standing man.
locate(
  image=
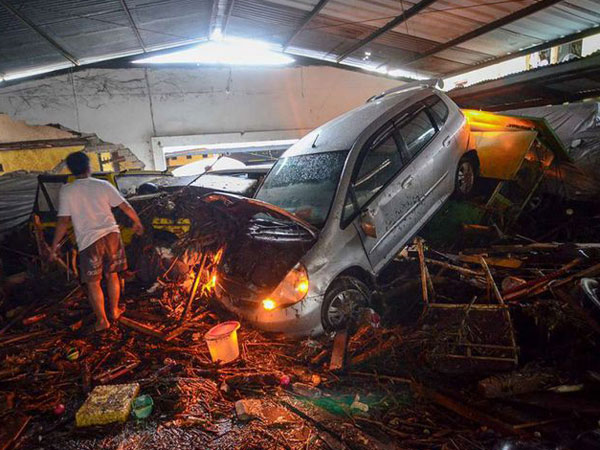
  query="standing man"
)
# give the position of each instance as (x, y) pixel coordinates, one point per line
(87, 202)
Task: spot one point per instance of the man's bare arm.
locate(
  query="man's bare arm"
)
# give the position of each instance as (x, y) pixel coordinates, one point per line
(138, 228)
(61, 230)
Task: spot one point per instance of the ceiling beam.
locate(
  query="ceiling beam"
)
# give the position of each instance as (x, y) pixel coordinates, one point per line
(531, 9)
(410, 12)
(526, 51)
(311, 15)
(227, 16)
(133, 25)
(214, 22)
(39, 31)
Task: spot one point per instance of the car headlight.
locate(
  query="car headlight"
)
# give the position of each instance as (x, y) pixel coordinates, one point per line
(292, 289)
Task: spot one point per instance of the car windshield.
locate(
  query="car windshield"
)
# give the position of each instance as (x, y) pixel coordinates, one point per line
(304, 185)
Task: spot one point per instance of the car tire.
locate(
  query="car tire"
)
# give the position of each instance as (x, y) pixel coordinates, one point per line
(343, 301)
(466, 176)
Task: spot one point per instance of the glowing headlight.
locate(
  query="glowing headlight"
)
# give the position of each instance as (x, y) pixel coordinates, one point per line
(292, 289)
(269, 304)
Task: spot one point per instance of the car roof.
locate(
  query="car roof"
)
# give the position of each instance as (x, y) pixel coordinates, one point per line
(342, 132)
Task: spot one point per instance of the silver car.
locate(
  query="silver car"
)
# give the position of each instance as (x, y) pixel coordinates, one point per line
(338, 206)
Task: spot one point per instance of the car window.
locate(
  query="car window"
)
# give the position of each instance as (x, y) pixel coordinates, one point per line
(379, 165)
(416, 132)
(438, 109)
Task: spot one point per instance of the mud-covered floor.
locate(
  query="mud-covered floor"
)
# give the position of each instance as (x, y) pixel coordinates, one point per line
(398, 389)
(508, 359)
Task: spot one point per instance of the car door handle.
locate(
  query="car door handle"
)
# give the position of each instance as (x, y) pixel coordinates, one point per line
(407, 182)
(446, 141)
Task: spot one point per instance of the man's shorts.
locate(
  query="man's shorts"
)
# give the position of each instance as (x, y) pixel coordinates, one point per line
(106, 255)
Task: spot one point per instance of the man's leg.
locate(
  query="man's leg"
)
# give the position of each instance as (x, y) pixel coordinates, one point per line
(113, 286)
(115, 262)
(90, 265)
(96, 298)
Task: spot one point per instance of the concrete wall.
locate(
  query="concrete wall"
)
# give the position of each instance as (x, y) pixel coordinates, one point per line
(130, 106)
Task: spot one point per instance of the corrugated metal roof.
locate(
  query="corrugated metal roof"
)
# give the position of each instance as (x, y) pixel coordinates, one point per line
(96, 29)
(554, 84)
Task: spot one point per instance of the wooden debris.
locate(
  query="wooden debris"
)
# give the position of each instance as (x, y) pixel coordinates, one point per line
(515, 383)
(468, 412)
(12, 428)
(564, 296)
(374, 353)
(270, 415)
(508, 263)
(140, 327)
(338, 355)
(113, 374)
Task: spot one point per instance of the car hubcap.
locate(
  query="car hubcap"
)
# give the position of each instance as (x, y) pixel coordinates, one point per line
(466, 177)
(345, 307)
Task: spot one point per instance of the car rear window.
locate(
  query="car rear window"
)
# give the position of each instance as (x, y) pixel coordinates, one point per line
(416, 133)
(438, 109)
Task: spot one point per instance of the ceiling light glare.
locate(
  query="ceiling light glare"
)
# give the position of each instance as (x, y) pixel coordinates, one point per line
(228, 51)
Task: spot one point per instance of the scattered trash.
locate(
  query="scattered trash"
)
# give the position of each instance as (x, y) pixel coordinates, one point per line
(284, 380)
(270, 415)
(72, 354)
(107, 404)
(306, 390)
(358, 405)
(142, 406)
(222, 342)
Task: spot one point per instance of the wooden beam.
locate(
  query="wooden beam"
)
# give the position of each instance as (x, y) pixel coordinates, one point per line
(531, 9)
(413, 11)
(311, 15)
(39, 31)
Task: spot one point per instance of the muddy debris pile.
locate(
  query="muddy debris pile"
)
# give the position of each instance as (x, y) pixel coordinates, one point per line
(489, 343)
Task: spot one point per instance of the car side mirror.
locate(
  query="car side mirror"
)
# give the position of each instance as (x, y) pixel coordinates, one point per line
(367, 223)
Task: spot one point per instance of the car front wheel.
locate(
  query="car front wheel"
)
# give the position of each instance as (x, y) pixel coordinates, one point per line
(343, 302)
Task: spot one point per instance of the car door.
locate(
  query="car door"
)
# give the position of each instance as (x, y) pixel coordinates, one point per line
(426, 136)
(384, 195)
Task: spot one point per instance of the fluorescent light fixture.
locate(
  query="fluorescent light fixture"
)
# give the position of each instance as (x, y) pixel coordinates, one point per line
(232, 145)
(34, 72)
(226, 51)
(407, 74)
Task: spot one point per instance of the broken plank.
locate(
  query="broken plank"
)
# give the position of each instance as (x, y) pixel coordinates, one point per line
(338, 355)
(140, 327)
(11, 429)
(174, 333)
(508, 263)
(115, 373)
(466, 411)
(462, 270)
(563, 295)
(528, 248)
(22, 337)
(374, 353)
(516, 383)
(529, 286)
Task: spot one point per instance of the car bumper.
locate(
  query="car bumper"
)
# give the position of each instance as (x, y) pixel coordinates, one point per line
(301, 319)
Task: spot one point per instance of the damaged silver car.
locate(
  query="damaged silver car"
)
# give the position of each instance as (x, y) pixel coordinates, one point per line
(339, 205)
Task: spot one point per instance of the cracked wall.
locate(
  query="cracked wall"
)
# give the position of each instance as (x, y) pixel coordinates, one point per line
(129, 106)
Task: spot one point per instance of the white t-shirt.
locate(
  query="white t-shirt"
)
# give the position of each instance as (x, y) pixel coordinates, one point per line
(89, 201)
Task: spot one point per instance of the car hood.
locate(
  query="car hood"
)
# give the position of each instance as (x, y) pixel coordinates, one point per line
(265, 243)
